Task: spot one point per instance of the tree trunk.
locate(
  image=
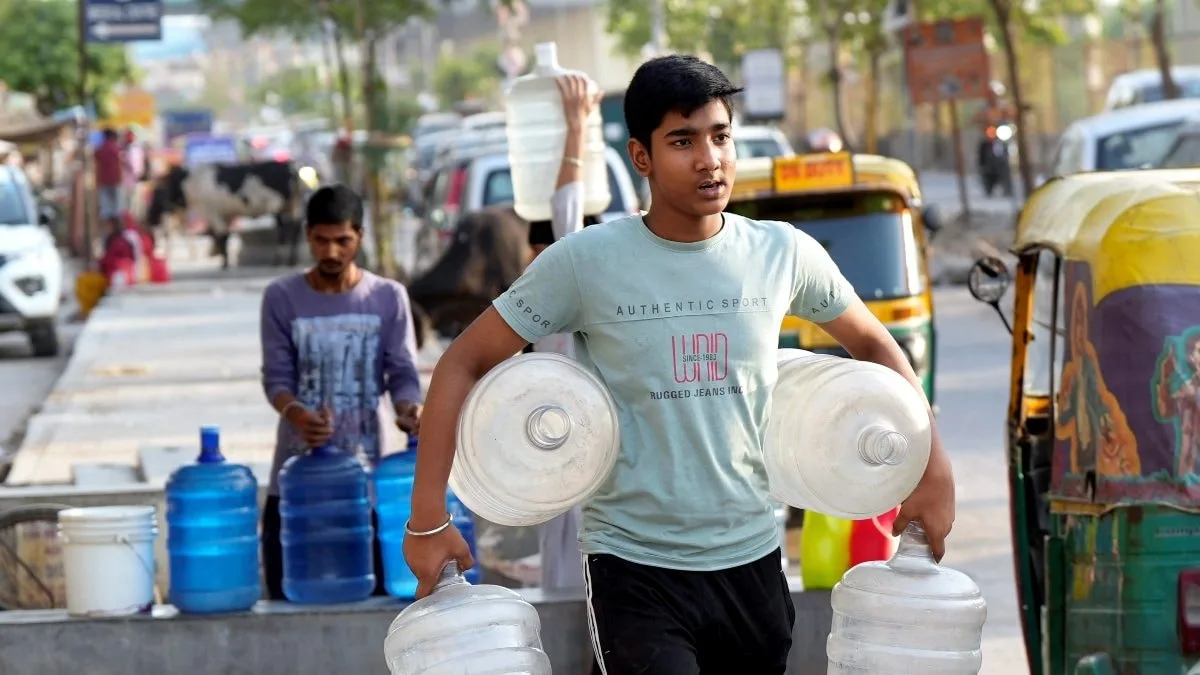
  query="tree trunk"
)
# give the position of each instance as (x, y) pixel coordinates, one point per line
(872, 121)
(1158, 38)
(1004, 19)
(835, 88)
(331, 65)
(339, 50)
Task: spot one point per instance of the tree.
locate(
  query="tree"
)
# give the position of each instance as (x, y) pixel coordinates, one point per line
(869, 38)
(292, 91)
(464, 78)
(1150, 17)
(40, 55)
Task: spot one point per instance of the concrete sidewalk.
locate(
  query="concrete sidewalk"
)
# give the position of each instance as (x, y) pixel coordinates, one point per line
(153, 364)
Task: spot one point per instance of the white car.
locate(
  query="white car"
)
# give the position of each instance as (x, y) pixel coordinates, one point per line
(1129, 138)
(1145, 86)
(31, 269)
(754, 140)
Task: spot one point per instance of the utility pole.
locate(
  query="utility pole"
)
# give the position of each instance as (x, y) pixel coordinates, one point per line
(83, 132)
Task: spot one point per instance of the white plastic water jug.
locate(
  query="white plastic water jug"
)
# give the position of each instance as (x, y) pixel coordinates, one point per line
(536, 133)
(537, 435)
(906, 615)
(460, 628)
(846, 438)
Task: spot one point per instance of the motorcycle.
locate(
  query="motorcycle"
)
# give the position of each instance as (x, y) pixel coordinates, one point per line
(995, 158)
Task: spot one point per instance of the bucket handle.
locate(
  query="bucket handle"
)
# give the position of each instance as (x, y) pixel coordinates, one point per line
(148, 566)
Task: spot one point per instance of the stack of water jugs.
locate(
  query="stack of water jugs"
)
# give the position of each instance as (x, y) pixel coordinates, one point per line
(325, 509)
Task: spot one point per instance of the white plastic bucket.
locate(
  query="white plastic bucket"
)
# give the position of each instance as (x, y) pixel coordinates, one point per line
(108, 559)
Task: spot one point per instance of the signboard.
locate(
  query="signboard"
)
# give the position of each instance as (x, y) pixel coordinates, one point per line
(109, 21)
(177, 123)
(807, 173)
(132, 108)
(203, 149)
(765, 79)
(946, 60)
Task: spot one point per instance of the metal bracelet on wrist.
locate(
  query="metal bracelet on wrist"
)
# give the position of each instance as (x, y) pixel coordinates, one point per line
(429, 533)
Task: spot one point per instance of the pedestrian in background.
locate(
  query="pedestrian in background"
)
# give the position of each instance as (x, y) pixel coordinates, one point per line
(335, 338)
(109, 175)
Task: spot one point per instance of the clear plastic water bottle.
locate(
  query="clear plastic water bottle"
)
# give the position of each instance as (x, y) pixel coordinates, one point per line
(393, 505)
(464, 522)
(465, 628)
(906, 615)
(212, 532)
(536, 133)
(325, 510)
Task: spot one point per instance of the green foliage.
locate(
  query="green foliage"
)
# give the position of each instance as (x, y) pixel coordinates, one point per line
(303, 18)
(39, 55)
(295, 90)
(726, 29)
(475, 76)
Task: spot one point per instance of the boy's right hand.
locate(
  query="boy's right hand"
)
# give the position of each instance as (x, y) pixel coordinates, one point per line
(315, 427)
(426, 556)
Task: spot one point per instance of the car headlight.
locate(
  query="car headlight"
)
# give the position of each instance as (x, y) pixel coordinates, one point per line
(37, 253)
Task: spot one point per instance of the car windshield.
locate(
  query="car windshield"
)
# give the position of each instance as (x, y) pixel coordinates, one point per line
(1135, 148)
(759, 147)
(13, 209)
(869, 235)
(498, 190)
(1188, 88)
(1185, 154)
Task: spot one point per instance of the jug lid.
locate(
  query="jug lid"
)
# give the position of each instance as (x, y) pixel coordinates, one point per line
(871, 445)
(911, 572)
(537, 435)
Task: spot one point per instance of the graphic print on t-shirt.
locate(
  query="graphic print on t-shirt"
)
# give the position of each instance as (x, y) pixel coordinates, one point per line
(335, 368)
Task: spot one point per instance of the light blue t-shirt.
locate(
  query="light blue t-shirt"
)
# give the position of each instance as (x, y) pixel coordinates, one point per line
(685, 337)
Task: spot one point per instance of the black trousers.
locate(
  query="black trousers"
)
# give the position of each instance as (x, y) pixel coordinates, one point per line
(655, 621)
(272, 552)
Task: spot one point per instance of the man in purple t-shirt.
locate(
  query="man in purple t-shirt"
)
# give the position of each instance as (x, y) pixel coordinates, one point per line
(334, 338)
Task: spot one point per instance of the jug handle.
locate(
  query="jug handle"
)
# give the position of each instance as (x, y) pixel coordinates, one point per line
(450, 576)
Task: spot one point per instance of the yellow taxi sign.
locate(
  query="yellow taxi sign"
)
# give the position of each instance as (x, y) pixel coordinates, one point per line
(804, 173)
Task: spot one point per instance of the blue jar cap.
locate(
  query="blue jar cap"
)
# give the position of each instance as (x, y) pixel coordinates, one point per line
(210, 445)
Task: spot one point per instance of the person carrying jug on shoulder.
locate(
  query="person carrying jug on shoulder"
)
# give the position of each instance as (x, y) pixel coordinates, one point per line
(558, 539)
(680, 543)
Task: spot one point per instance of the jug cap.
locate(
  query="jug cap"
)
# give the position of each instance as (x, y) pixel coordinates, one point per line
(450, 576)
(545, 54)
(911, 571)
(210, 445)
(537, 435)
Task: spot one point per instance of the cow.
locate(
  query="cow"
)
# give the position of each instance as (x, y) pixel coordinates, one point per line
(489, 251)
(221, 193)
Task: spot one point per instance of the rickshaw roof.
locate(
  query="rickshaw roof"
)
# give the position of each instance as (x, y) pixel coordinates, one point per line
(1133, 227)
(755, 177)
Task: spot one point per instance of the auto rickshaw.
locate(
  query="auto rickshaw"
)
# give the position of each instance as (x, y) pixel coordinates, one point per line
(866, 211)
(1104, 421)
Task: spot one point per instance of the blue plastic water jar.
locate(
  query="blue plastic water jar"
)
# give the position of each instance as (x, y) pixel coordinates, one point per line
(393, 505)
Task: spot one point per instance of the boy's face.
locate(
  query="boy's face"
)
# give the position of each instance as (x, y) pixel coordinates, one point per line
(691, 165)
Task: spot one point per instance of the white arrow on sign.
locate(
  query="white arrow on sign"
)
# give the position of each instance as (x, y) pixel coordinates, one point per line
(105, 31)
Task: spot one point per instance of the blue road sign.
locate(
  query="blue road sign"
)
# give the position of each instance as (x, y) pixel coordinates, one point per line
(111, 21)
(178, 123)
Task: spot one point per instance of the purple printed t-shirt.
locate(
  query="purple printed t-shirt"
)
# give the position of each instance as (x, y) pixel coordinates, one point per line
(341, 351)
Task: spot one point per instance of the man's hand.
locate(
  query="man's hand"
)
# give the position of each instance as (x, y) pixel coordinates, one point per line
(408, 417)
(932, 502)
(578, 102)
(426, 556)
(315, 427)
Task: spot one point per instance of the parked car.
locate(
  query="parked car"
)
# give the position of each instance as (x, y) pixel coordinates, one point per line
(1129, 138)
(754, 140)
(1184, 151)
(478, 177)
(31, 269)
(1145, 86)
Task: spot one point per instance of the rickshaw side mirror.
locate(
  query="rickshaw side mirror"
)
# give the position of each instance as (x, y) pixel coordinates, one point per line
(931, 217)
(988, 280)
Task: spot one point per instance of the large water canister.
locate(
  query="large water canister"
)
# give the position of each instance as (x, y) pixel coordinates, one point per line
(537, 435)
(464, 628)
(212, 532)
(325, 509)
(906, 615)
(846, 438)
(393, 504)
(536, 134)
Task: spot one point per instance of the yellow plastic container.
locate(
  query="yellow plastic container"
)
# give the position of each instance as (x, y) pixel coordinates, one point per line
(824, 550)
(90, 287)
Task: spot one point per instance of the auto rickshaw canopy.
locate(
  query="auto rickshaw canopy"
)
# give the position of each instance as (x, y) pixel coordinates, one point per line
(1132, 228)
(827, 172)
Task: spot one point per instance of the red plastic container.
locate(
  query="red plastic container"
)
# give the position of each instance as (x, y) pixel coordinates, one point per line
(872, 539)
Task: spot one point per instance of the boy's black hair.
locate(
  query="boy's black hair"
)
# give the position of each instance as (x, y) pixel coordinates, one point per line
(675, 83)
(334, 205)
